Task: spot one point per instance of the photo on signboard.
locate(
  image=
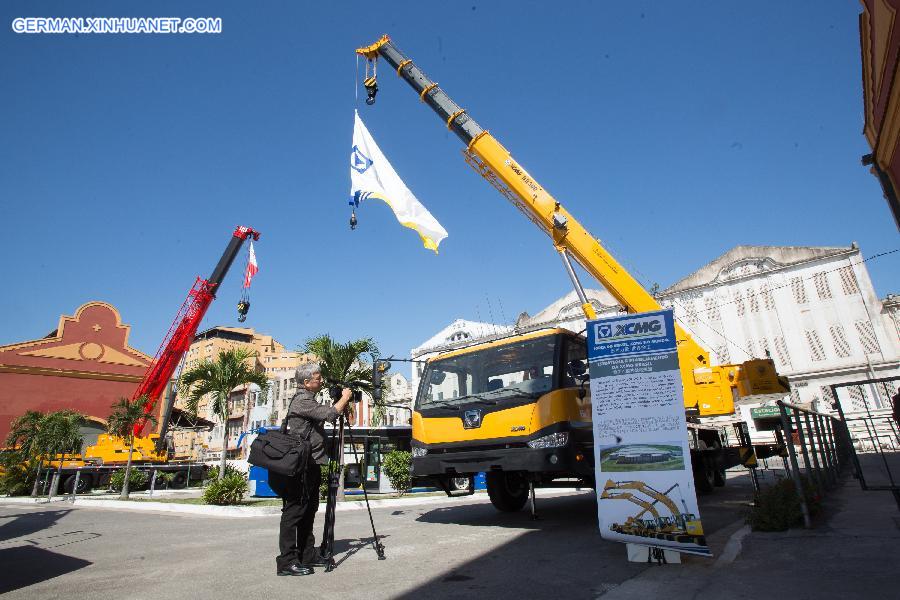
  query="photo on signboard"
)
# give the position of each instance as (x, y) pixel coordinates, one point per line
(653, 510)
(668, 456)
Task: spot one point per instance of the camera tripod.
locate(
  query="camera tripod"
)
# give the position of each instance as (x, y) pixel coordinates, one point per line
(327, 547)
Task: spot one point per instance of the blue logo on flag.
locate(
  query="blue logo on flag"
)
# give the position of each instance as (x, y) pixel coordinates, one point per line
(359, 161)
(604, 330)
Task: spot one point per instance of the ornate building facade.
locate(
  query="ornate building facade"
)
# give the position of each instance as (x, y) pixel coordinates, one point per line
(85, 364)
(813, 310)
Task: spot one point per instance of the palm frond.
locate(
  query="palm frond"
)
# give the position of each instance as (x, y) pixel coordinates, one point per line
(216, 379)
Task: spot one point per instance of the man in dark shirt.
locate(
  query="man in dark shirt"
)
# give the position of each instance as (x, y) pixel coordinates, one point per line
(300, 494)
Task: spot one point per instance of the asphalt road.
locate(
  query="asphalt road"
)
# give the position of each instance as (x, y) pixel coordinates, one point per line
(459, 547)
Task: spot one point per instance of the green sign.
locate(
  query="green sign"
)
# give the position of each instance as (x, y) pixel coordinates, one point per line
(765, 412)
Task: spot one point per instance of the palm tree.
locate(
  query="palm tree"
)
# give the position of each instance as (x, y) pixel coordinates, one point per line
(342, 364)
(24, 436)
(126, 417)
(217, 379)
(60, 434)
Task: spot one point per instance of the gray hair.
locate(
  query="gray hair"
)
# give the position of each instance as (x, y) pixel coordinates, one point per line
(306, 371)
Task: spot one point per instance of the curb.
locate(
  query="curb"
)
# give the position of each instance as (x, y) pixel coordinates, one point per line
(230, 511)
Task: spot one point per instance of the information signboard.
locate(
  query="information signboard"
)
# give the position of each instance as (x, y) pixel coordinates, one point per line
(645, 487)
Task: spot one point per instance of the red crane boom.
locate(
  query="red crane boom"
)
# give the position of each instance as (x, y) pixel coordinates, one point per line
(183, 329)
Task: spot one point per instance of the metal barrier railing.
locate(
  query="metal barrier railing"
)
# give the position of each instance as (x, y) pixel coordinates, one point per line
(875, 432)
(824, 447)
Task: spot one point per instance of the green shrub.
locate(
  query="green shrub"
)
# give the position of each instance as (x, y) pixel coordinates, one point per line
(136, 480)
(331, 467)
(230, 490)
(164, 478)
(16, 477)
(777, 507)
(212, 473)
(396, 465)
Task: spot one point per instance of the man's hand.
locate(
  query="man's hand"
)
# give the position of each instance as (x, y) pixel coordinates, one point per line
(341, 405)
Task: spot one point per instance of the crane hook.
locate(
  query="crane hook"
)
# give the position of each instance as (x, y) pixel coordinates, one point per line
(243, 308)
(371, 86)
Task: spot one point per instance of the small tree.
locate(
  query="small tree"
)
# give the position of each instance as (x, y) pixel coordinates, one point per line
(128, 416)
(60, 434)
(217, 379)
(24, 440)
(396, 466)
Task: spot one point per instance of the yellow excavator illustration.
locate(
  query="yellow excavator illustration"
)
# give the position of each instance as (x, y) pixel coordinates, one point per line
(682, 526)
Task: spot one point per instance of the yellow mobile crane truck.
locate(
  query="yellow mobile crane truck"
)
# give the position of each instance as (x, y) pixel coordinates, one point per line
(516, 407)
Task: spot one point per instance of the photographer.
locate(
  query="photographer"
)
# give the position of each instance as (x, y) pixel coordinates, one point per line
(300, 494)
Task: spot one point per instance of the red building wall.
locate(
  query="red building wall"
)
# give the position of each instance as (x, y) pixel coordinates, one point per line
(85, 365)
(879, 35)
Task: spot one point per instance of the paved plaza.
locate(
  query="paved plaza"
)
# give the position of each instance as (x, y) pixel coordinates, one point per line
(442, 548)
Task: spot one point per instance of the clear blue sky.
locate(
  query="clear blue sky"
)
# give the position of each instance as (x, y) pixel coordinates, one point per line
(674, 131)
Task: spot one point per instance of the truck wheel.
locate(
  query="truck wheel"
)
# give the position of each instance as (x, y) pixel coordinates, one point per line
(719, 477)
(508, 490)
(178, 480)
(704, 475)
(459, 484)
(718, 473)
(84, 483)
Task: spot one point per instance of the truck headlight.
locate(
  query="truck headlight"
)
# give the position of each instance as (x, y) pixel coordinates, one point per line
(554, 440)
(419, 452)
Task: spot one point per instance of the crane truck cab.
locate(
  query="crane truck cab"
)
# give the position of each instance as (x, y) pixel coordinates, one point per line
(516, 408)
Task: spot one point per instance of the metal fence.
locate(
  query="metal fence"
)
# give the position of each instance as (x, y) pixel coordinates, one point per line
(872, 432)
(824, 450)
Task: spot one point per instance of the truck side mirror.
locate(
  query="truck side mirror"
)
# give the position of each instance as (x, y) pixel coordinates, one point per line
(577, 368)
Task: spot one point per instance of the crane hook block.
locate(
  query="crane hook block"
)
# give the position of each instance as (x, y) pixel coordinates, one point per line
(371, 86)
(243, 308)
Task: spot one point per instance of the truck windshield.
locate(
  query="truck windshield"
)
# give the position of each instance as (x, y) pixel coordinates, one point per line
(490, 376)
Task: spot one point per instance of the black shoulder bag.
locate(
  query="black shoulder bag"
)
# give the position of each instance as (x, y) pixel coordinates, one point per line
(279, 452)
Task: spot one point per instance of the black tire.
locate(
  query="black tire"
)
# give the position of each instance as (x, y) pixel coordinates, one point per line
(85, 483)
(459, 484)
(179, 480)
(719, 476)
(704, 475)
(508, 491)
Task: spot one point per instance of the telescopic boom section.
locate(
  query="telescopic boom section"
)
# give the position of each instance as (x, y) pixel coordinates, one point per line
(707, 389)
(497, 165)
(180, 335)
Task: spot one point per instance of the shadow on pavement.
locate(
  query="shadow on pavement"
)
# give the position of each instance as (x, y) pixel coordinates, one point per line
(22, 524)
(559, 555)
(344, 549)
(576, 507)
(27, 565)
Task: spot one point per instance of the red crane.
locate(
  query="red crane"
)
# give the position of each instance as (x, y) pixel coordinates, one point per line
(184, 328)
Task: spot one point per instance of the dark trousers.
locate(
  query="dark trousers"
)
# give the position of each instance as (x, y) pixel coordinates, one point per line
(300, 501)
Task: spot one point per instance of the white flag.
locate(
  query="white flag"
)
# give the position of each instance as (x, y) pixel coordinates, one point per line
(372, 176)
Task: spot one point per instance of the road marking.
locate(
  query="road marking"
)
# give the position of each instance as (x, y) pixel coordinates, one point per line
(732, 547)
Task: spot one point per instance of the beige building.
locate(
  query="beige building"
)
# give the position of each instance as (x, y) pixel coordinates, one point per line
(271, 358)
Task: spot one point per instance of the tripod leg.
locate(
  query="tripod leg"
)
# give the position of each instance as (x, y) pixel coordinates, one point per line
(379, 547)
(326, 549)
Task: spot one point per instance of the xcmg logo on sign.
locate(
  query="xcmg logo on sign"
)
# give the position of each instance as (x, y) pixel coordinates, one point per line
(642, 327)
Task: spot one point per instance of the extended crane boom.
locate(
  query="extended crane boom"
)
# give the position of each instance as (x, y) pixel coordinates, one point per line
(708, 389)
(180, 335)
